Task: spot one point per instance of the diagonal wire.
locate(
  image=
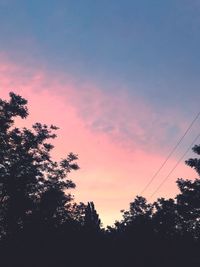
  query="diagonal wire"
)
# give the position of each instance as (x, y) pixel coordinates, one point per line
(170, 154)
(175, 166)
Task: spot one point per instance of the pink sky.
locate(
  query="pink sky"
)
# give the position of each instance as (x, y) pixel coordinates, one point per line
(119, 149)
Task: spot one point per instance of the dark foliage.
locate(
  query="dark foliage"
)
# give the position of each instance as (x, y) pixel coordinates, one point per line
(41, 225)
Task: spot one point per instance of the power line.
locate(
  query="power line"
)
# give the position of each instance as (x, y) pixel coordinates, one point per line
(170, 154)
(175, 166)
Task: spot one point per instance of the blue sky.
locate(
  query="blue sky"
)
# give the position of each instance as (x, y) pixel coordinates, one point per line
(150, 47)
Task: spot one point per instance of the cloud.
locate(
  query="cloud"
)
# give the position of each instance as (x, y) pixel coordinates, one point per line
(120, 141)
(129, 120)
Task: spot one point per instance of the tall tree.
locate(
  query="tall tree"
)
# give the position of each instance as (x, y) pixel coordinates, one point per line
(30, 180)
(92, 220)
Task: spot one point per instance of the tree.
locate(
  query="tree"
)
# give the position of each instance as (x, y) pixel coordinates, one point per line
(188, 200)
(31, 182)
(166, 219)
(139, 211)
(77, 212)
(92, 220)
(195, 162)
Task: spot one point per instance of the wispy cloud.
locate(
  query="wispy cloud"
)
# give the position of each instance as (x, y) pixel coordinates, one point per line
(120, 140)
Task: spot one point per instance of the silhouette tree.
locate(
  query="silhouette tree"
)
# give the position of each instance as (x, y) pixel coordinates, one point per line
(166, 219)
(137, 218)
(195, 162)
(189, 199)
(139, 209)
(77, 212)
(189, 206)
(92, 220)
(30, 181)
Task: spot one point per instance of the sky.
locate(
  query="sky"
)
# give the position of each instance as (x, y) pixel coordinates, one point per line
(121, 80)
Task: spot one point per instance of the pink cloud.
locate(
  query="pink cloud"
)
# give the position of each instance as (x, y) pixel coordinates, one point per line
(118, 146)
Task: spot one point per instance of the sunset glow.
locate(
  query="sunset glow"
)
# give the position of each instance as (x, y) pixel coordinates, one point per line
(115, 138)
